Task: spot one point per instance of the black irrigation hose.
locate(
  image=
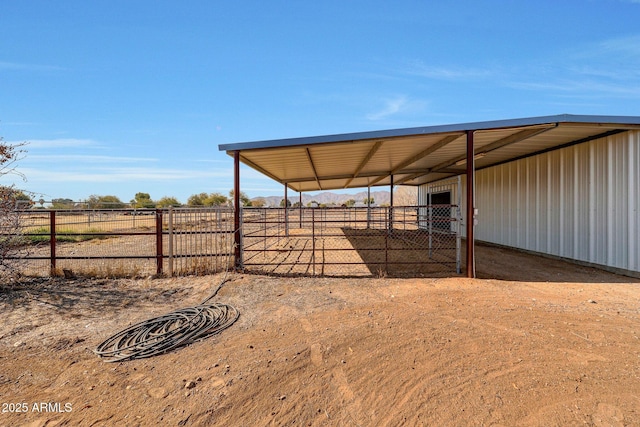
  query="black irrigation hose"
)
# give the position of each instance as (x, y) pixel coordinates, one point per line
(170, 331)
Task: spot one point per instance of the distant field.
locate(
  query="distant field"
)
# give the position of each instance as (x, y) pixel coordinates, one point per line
(106, 222)
(79, 223)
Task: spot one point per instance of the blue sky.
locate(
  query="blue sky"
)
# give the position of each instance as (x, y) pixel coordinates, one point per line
(119, 97)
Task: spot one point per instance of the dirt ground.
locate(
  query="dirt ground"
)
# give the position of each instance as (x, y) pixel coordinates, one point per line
(531, 342)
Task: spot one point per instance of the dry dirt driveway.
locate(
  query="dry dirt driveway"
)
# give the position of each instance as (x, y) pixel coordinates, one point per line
(532, 342)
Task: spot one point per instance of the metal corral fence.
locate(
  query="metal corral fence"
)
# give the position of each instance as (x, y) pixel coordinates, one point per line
(125, 242)
(352, 241)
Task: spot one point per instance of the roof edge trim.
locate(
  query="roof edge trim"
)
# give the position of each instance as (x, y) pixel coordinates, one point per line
(427, 130)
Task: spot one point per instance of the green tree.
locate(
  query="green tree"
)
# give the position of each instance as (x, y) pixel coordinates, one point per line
(62, 204)
(197, 199)
(282, 203)
(143, 200)
(23, 201)
(244, 199)
(350, 203)
(204, 199)
(104, 202)
(165, 202)
(216, 199)
(368, 200)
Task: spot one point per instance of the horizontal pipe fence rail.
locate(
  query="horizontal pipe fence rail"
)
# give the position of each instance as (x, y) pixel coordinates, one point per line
(352, 241)
(125, 242)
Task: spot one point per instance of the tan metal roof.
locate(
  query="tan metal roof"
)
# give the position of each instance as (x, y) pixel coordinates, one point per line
(419, 155)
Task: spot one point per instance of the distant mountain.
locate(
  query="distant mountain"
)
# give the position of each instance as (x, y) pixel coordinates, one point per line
(329, 198)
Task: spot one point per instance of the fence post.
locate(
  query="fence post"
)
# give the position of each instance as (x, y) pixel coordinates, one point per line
(386, 253)
(170, 241)
(159, 255)
(430, 227)
(52, 240)
(313, 241)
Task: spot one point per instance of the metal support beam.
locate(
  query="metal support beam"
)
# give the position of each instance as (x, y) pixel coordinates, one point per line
(300, 207)
(368, 206)
(313, 168)
(372, 174)
(391, 204)
(286, 212)
(412, 176)
(236, 210)
(409, 161)
(511, 139)
(364, 161)
(471, 270)
(258, 168)
(516, 137)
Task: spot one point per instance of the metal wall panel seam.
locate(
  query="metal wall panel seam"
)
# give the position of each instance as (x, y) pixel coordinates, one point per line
(634, 200)
(610, 204)
(537, 247)
(527, 204)
(518, 196)
(633, 188)
(576, 192)
(549, 205)
(561, 205)
(591, 232)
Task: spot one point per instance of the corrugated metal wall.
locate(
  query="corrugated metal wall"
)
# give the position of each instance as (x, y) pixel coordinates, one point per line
(580, 202)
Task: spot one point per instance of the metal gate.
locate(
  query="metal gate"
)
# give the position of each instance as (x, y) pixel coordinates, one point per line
(352, 241)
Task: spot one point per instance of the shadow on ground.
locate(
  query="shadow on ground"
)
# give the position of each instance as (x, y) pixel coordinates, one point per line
(65, 295)
(501, 263)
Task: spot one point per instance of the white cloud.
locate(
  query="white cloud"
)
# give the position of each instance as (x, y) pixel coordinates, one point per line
(418, 68)
(61, 143)
(84, 158)
(215, 161)
(588, 88)
(397, 105)
(120, 175)
(614, 49)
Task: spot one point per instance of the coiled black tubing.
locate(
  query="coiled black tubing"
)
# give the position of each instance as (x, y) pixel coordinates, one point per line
(168, 332)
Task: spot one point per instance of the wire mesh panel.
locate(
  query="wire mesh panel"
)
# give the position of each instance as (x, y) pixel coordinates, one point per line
(89, 242)
(126, 242)
(355, 241)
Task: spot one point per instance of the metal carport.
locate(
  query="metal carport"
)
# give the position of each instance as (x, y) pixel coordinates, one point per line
(416, 156)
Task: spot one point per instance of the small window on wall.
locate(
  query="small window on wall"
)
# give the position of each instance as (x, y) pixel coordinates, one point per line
(443, 198)
(441, 210)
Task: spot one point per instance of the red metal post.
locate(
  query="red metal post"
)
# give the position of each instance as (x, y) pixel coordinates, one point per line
(391, 204)
(52, 240)
(368, 206)
(471, 270)
(286, 212)
(313, 240)
(236, 209)
(159, 253)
